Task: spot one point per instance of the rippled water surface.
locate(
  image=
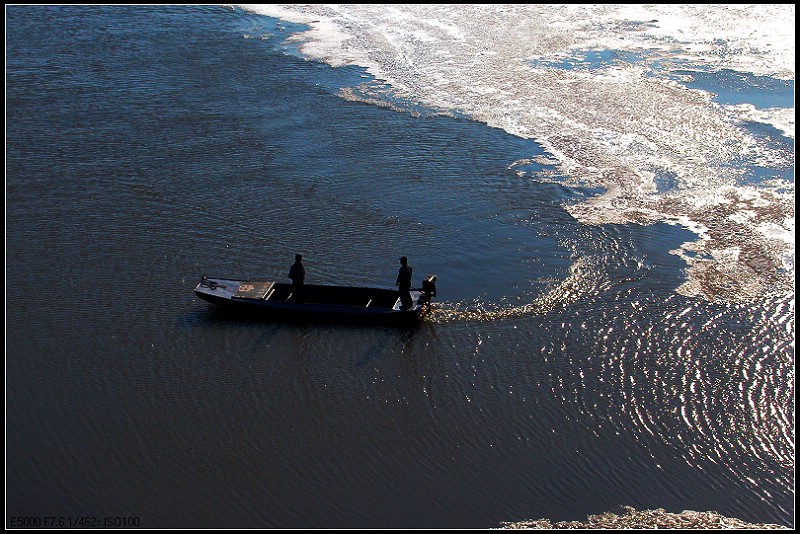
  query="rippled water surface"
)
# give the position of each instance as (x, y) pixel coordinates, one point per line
(615, 322)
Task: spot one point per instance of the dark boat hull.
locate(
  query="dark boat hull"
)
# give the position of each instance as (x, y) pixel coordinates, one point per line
(264, 299)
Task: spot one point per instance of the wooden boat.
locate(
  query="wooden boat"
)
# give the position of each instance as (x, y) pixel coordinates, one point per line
(317, 302)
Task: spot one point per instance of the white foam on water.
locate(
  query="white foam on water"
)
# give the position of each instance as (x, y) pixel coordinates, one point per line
(618, 126)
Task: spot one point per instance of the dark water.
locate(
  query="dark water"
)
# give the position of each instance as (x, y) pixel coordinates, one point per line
(561, 376)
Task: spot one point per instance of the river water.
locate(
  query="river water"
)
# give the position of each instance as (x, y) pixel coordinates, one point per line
(606, 195)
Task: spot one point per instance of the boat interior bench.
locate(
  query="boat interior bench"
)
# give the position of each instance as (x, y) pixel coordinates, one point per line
(313, 294)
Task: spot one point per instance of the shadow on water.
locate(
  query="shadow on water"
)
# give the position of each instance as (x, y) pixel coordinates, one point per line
(216, 317)
(357, 346)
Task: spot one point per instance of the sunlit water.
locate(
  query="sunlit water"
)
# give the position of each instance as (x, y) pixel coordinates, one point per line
(605, 195)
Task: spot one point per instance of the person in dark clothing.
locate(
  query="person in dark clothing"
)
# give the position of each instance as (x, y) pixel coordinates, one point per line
(404, 283)
(297, 272)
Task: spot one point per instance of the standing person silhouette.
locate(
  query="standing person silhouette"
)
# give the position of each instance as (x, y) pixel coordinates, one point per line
(404, 283)
(297, 272)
